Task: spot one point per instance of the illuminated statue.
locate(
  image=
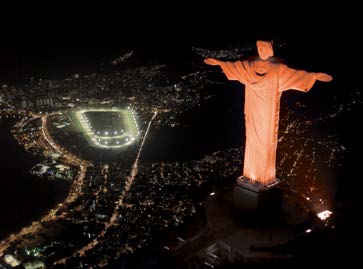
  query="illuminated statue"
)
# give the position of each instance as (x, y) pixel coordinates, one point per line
(264, 82)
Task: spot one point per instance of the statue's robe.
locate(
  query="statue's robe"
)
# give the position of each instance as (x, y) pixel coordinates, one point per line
(262, 108)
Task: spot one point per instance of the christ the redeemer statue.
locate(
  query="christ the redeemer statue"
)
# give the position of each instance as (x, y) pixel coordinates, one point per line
(264, 83)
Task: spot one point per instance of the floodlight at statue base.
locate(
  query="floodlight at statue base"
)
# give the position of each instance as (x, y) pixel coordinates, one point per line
(252, 196)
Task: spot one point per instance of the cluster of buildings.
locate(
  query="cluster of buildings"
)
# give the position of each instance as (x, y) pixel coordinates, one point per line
(107, 220)
(145, 88)
(162, 197)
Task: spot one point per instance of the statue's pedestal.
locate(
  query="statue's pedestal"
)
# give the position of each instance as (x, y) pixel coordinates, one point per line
(254, 197)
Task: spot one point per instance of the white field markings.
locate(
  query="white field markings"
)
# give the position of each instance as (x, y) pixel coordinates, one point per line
(51, 215)
(118, 203)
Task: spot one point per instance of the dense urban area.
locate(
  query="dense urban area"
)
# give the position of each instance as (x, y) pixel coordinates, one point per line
(124, 202)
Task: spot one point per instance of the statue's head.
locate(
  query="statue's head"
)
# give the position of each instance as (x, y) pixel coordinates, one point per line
(264, 49)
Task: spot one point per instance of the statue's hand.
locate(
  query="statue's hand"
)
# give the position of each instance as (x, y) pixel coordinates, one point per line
(211, 61)
(323, 77)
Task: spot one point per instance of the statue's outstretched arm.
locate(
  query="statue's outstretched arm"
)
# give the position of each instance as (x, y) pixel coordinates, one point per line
(211, 61)
(232, 70)
(323, 77)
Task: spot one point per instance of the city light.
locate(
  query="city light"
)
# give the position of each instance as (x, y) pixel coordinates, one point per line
(145, 196)
(324, 214)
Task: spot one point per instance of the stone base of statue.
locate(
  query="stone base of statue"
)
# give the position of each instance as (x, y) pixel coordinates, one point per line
(262, 232)
(254, 197)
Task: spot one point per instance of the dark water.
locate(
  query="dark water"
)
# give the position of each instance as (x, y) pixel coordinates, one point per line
(215, 125)
(23, 197)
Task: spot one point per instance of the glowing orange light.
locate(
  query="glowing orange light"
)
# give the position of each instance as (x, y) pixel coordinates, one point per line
(264, 83)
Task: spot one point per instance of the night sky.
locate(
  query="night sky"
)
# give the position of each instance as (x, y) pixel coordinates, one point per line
(43, 33)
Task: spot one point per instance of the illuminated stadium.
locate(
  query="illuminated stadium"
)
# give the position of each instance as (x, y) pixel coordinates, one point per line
(108, 127)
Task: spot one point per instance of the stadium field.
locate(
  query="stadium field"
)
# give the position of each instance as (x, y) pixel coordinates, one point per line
(107, 127)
